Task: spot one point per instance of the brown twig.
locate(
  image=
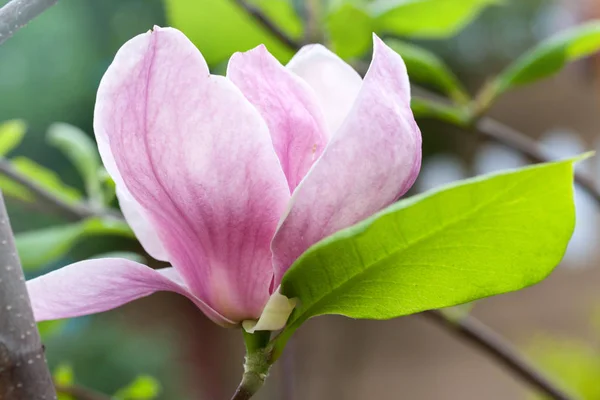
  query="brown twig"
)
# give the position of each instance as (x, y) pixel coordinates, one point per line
(266, 23)
(68, 211)
(503, 134)
(81, 393)
(24, 374)
(478, 334)
(492, 129)
(17, 13)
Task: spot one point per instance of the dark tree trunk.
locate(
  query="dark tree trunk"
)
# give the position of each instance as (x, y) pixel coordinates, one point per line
(24, 374)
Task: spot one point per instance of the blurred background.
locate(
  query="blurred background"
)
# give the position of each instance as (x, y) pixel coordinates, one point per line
(162, 347)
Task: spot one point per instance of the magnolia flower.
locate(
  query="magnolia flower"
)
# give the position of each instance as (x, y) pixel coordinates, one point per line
(230, 179)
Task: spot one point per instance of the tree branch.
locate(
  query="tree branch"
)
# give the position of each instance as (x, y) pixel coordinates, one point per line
(17, 13)
(269, 25)
(492, 129)
(68, 211)
(478, 334)
(503, 134)
(24, 374)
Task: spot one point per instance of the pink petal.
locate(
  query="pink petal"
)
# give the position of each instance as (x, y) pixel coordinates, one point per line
(198, 158)
(287, 104)
(371, 161)
(133, 212)
(335, 83)
(141, 225)
(94, 286)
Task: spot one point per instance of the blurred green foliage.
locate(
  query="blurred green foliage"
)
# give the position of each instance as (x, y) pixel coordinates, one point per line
(43, 176)
(426, 18)
(43, 246)
(49, 328)
(143, 387)
(424, 66)
(546, 59)
(11, 134)
(124, 362)
(64, 376)
(573, 363)
(221, 27)
(83, 153)
(350, 28)
(351, 23)
(348, 24)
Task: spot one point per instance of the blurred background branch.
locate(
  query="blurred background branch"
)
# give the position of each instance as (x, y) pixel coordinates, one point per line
(17, 13)
(492, 129)
(68, 211)
(269, 25)
(479, 335)
(501, 133)
(78, 392)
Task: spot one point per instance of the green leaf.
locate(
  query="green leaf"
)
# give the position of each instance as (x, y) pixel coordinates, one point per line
(49, 328)
(43, 176)
(281, 12)
(64, 376)
(350, 29)
(14, 190)
(425, 67)
(82, 152)
(221, 27)
(426, 18)
(573, 365)
(107, 226)
(108, 185)
(142, 388)
(11, 135)
(41, 247)
(549, 57)
(424, 108)
(472, 239)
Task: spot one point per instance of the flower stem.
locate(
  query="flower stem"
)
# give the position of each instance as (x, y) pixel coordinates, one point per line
(256, 366)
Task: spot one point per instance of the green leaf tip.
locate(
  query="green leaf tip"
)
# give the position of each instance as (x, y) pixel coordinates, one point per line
(548, 57)
(81, 150)
(11, 135)
(583, 156)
